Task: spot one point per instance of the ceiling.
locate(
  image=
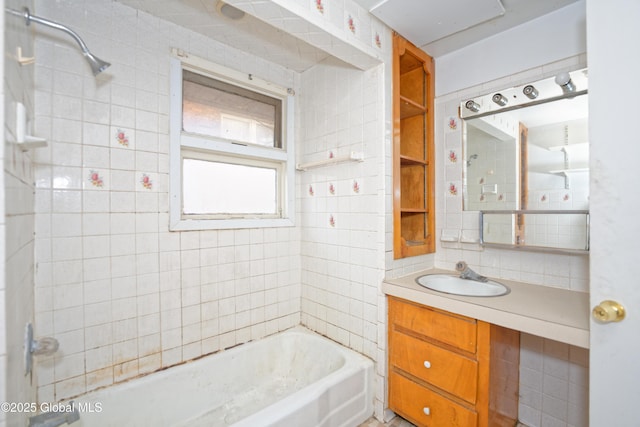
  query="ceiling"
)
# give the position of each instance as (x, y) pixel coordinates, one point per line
(203, 17)
(442, 26)
(437, 26)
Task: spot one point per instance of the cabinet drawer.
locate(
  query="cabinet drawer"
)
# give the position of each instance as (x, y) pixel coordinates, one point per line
(444, 369)
(425, 407)
(450, 329)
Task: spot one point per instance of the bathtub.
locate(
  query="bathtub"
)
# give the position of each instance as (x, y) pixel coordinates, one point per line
(295, 378)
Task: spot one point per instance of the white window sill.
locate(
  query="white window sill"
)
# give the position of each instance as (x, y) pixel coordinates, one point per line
(226, 224)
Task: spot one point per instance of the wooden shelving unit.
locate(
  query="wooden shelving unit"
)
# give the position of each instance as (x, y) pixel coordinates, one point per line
(413, 147)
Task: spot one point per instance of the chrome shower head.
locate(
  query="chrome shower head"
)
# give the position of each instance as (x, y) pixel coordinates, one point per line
(97, 65)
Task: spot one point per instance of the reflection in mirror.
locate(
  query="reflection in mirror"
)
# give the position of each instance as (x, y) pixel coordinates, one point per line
(535, 157)
(530, 153)
(568, 230)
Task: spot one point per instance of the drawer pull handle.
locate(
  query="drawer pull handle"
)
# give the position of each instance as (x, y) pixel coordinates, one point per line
(427, 364)
(427, 411)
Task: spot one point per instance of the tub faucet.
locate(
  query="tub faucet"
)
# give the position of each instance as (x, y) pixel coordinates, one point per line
(469, 274)
(55, 418)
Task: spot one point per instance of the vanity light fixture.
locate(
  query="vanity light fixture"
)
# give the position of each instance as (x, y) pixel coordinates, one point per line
(499, 99)
(564, 81)
(472, 105)
(530, 92)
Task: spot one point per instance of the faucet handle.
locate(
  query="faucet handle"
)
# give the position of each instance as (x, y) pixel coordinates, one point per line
(44, 346)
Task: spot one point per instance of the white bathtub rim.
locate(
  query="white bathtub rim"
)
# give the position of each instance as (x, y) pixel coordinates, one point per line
(149, 377)
(353, 362)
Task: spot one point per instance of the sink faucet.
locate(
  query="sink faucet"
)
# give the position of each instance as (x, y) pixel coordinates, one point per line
(55, 419)
(469, 274)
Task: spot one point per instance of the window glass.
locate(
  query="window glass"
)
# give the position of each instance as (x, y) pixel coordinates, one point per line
(214, 108)
(232, 152)
(220, 188)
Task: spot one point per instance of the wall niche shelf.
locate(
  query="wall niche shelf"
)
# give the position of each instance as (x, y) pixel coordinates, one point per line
(413, 160)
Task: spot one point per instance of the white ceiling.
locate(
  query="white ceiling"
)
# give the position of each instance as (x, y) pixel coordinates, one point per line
(203, 17)
(442, 26)
(437, 26)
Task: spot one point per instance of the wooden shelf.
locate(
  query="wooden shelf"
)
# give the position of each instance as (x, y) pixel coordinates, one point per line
(413, 148)
(414, 210)
(406, 160)
(409, 108)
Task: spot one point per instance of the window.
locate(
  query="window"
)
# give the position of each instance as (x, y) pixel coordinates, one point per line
(231, 149)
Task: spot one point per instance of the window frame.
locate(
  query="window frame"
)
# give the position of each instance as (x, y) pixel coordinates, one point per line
(209, 147)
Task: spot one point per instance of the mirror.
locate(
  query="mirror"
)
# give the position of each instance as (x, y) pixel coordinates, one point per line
(526, 163)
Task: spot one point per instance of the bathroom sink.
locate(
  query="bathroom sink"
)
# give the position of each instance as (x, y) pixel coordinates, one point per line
(457, 286)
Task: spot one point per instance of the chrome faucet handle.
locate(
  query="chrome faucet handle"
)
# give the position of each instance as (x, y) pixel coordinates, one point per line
(468, 273)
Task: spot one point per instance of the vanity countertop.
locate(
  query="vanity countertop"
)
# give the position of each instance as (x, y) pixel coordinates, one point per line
(554, 313)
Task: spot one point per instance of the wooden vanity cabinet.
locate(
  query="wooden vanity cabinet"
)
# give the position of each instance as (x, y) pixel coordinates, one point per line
(413, 150)
(450, 370)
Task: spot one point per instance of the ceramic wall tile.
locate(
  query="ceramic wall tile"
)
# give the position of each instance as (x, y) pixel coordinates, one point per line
(104, 208)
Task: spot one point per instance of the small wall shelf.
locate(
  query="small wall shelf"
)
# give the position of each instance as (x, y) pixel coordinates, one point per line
(354, 156)
(579, 145)
(24, 140)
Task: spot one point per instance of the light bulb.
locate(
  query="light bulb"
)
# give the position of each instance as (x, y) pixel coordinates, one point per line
(530, 92)
(499, 99)
(472, 105)
(564, 81)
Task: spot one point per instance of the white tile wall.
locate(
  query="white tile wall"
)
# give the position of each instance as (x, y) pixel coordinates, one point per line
(123, 294)
(554, 383)
(16, 221)
(341, 111)
(548, 394)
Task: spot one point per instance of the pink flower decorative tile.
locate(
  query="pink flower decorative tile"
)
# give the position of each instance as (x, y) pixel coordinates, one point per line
(453, 157)
(311, 192)
(351, 23)
(355, 186)
(95, 179)
(332, 189)
(453, 123)
(122, 138)
(332, 221)
(453, 189)
(319, 6)
(146, 182)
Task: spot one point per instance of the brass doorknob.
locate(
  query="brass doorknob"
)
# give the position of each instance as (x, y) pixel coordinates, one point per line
(608, 311)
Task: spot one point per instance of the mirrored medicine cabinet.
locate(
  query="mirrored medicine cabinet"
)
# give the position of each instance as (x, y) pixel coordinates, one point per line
(526, 164)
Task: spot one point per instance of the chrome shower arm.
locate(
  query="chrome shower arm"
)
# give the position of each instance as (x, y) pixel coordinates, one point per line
(32, 18)
(97, 65)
